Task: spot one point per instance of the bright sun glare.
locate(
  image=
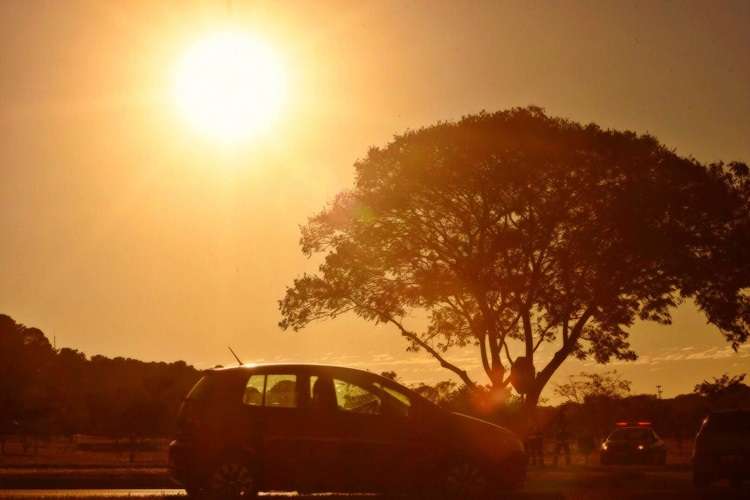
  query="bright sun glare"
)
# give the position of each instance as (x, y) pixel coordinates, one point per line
(230, 86)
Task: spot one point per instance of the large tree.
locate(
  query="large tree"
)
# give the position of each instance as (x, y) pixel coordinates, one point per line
(515, 230)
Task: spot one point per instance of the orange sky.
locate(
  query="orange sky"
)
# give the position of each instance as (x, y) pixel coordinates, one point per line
(125, 233)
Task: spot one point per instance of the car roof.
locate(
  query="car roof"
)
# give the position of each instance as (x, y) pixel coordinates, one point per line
(341, 370)
(251, 367)
(255, 366)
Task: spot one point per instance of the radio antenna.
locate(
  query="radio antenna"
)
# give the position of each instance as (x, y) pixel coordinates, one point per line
(235, 356)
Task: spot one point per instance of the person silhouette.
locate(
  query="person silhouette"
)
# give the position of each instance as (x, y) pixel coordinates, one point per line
(562, 439)
(535, 446)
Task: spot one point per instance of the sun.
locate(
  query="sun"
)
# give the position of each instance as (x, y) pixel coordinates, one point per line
(230, 86)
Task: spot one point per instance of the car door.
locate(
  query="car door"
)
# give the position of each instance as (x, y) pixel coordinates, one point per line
(417, 437)
(323, 437)
(273, 401)
(361, 438)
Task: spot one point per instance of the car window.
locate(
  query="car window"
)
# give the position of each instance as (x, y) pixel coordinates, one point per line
(356, 399)
(199, 390)
(401, 403)
(280, 391)
(254, 390)
(218, 388)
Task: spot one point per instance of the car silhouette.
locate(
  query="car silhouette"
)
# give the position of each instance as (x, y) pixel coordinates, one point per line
(314, 428)
(633, 444)
(722, 448)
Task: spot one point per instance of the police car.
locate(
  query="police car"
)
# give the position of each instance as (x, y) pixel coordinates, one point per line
(633, 443)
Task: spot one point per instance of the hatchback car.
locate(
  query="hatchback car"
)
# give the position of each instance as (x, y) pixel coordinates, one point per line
(320, 428)
(722, 448)
(633, 444)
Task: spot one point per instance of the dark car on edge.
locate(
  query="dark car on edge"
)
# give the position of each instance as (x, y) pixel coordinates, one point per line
(633, 444)
(722, 448)
(320, 428)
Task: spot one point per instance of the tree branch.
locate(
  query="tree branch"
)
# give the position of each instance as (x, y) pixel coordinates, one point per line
(483, 353)
(528, 332)
(443, 362)
(507, 353)
(564, 351)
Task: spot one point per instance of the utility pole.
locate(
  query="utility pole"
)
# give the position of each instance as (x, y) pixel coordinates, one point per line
(658, 391)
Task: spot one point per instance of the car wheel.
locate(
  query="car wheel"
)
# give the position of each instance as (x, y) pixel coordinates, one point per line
(466, 479)
(233, 480)
(194, 492)
(512, 475)
(700, 478)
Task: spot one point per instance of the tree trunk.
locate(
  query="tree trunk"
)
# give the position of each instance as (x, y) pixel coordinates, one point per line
(497, 376)
(531, 399)
(530, 402)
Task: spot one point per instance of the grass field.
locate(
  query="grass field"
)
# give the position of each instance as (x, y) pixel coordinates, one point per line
(83, 451)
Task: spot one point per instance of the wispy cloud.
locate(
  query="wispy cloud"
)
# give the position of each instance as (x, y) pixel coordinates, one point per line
(689, 353)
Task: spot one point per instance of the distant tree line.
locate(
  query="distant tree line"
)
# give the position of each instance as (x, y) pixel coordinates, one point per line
(46, 391)
(594, 402)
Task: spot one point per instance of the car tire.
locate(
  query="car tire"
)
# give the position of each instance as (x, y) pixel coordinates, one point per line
(233, 480)
(466, 479)
(701, 479)
(513, 475)
(195, 493)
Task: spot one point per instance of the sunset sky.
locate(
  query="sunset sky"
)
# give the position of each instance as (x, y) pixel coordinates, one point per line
(125, 231)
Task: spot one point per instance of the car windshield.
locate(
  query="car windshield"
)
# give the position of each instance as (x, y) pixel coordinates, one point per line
(199, 390)
(630, 435)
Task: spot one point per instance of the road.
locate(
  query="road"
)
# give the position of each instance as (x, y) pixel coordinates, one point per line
(91, 493)
(578, 482)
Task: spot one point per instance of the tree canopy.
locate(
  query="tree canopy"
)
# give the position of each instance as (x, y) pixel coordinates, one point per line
(514, 230)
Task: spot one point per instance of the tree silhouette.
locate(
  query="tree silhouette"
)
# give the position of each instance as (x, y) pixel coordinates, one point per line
(45, 391)
(721, 386)
(518, 226)
(584, 386)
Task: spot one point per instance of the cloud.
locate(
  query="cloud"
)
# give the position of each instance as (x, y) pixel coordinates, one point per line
(690, 353)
